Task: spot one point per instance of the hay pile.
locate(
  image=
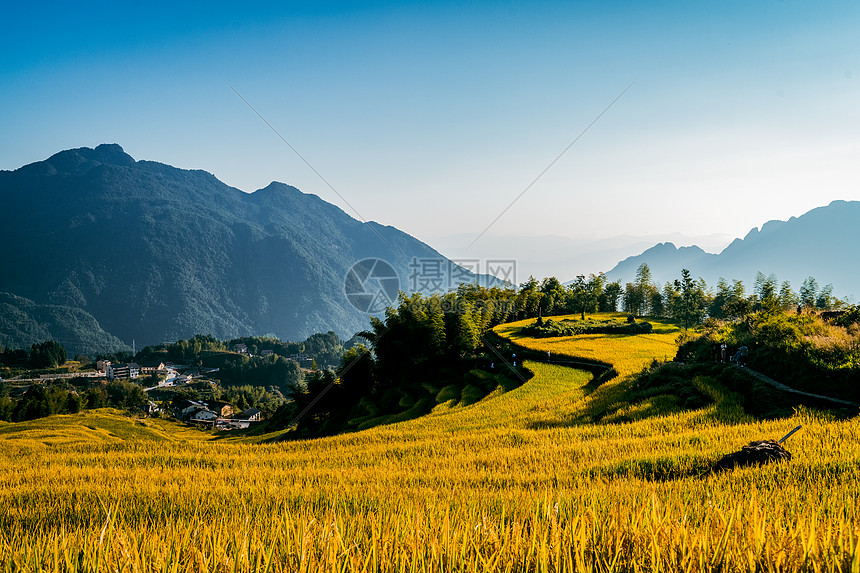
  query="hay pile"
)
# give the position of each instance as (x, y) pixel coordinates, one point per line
(756, 453)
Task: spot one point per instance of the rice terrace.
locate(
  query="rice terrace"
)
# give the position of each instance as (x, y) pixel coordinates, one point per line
(421, 287)
(569, 471)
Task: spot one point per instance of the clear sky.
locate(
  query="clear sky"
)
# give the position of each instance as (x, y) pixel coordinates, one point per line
(433, 117)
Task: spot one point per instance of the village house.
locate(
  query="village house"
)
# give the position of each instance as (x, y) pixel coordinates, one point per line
(122, 371)
(197, 411)
(223, 409)
(153, 369)
(182, 379)
(202, 415)
(183, 409)
(240, 348)
(250, 415)
(304, 360)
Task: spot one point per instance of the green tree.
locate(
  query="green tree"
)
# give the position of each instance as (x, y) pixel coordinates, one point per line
(640, 293)
(645, 286)
(579, 295)
(656, 303)
(633, 301)
(765, 291)
(467, 335)
(41, 401)
(738, 305)
(610, 296)
(787, 298)
(672, 303)
(721, 297)
(74, 403)
(96, 397)
(48, 354)
(7, 405)
(125, 394)
(529, 299)
(765, 285)
(824, 300)
(357, 373)
(693, 299)
(554, 299)
(808, 292)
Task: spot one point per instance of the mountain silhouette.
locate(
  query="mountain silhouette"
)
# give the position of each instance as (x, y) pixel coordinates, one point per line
(154, 253)
(819, 243)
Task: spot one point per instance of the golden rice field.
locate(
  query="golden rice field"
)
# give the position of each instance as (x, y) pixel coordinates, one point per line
(514, 483)
(627, 353)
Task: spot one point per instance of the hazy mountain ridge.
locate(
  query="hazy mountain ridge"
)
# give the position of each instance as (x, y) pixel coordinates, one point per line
(158, 253)
(818, 243)
(24, 322)
(565, 257)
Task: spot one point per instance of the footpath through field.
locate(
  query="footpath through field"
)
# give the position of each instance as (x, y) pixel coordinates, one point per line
(627, 353)
(790, 390)
(565, 383)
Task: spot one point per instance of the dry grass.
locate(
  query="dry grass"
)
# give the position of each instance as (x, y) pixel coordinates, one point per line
(512, 483)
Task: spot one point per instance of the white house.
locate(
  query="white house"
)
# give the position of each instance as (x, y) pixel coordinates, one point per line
(251, 415)
(202, 415)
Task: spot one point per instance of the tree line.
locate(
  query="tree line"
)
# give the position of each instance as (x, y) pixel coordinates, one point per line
(426, 350)
(47, 399)
(686, 299)
(429, 348)
(47, 354)
(690, 301)
(325, 348)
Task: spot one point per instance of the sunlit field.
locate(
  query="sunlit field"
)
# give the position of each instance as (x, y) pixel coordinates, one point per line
(518, 482)
(627, 353)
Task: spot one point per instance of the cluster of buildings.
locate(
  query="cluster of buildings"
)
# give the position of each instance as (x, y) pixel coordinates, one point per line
(207, 413)
(129, 370)
(212, 413)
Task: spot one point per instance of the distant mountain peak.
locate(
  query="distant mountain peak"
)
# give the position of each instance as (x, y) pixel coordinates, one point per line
(112, 153)
(277, 190)
(152, 252)
(83, 159)
(812, 244)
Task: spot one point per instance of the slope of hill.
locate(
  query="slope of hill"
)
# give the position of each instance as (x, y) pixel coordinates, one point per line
(23, 322)
(520, 481)
(102, 427)
(158, 253)
(818, 243)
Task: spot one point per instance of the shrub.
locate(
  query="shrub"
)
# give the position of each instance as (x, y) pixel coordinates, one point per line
(470, 395)
(450, 392)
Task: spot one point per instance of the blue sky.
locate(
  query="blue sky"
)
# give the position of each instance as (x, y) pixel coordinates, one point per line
(433, 117)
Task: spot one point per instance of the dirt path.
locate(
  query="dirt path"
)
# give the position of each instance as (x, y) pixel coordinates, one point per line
(599, 368)
(789, 389)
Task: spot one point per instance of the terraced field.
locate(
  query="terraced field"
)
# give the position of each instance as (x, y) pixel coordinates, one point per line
(522, 481)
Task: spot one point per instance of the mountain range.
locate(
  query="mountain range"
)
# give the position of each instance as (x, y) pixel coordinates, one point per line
(564, 257)
(819, 243)
(102, 250)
